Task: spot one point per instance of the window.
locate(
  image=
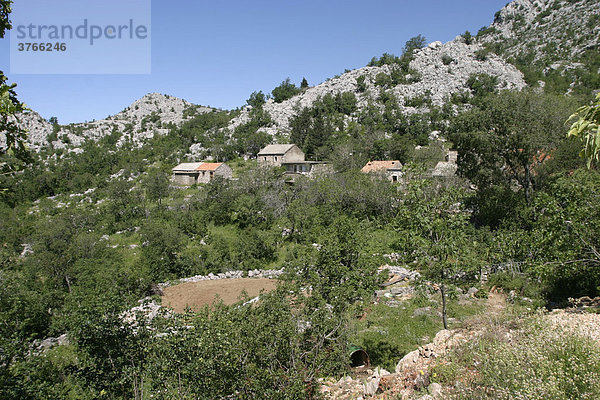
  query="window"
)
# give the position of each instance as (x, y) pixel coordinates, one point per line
(275, 158)
(394, 178)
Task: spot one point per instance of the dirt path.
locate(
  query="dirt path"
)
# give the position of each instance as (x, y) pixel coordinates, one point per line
(198, 294)
(496, 303)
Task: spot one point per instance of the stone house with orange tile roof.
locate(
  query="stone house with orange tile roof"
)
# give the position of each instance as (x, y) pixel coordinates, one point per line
(391, 169)
(187, 174)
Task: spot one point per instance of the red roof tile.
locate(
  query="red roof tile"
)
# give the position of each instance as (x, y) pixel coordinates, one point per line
(374, 166)
(207, 166)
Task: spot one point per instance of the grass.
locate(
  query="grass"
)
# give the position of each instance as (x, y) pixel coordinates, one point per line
(523, 358)
(388, 333)
(241, 166)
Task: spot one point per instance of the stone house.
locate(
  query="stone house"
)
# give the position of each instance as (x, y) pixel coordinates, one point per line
(309, 168)
(200, 172)
(448, 168)
(274, 155)
(391, 169)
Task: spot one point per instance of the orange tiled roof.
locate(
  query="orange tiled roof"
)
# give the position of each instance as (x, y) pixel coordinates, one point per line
(208, 166)
(374, 166)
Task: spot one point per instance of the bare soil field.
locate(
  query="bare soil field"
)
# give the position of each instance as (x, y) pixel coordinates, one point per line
(198, 294)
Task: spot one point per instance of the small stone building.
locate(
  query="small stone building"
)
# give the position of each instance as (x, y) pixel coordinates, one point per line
(310, 168)
(200, 172)
(448, 168)
(274, 155)
(391, 169)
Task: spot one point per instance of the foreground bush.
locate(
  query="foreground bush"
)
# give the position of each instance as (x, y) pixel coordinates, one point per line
(538, 361)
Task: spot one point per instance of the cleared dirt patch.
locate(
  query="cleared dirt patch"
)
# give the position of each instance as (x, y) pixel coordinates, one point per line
(197, 294)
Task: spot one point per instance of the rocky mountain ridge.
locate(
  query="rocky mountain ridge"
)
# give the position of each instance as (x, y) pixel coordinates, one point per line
(152, 114)
(444, 70)
(552, 29)
(551, 33)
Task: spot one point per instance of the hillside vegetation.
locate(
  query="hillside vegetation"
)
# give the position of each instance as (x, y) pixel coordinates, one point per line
(90, 225)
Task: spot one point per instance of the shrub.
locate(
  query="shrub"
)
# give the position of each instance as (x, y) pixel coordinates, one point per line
(467, 37)
(361, 85)
(256, 100)
(382, 79)
(482, 84)
(481, 54)
(285, 91)
(446, 59)
(538, 362)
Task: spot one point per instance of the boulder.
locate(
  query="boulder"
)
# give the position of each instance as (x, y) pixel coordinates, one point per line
(370, 387)
(407, 361)
(435, 389)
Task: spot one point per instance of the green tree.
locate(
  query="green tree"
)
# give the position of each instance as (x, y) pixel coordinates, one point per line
(162, 244)
(248, 139)
(156, 185)
(257, 99)
(285, 91)
(467, 37)
(482, 84)
(414, 43)
(304, 84)
(340, 270)
(111, 351)
(587, 129)
(501, 144)
(361, 86)
(14, 152)
(563, 248)
(433, 230)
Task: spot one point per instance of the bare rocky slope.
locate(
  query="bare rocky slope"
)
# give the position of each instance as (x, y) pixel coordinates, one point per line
(144, 118)
(558, 30)
(444, 70)
(552, 33)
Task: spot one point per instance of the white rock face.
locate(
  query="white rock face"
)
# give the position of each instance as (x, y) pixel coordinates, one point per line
(440, 79)
(135, 123)
(567, 27)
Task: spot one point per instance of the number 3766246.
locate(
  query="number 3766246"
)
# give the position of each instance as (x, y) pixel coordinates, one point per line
(42, 46)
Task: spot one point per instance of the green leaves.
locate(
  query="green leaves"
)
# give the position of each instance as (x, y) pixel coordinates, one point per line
(503, 142)
(587, 129)
(286, 90)
(15, 150)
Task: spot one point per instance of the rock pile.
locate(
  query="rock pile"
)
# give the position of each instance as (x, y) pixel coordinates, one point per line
(397, 287)
(256, 274)
(411, 374)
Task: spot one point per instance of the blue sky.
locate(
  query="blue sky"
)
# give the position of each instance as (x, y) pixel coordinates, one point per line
(216, 53)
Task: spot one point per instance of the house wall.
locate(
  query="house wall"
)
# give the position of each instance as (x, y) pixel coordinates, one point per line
(225, 171)
(270, 160)
(293, 155)
(298, 168)
(184, 178)
(394, 175)
(205, 176)
(321, 169)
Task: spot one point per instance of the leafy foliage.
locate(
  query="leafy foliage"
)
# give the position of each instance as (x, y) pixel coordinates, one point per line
(502, 142)
(587, 128)
(285, 91)
(256, 99)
